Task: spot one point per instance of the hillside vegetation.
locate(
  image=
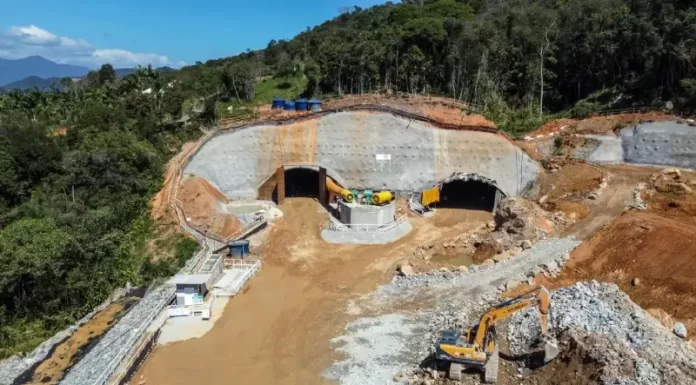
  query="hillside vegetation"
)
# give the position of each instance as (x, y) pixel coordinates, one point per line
(531, 57)
(77, 169)
(79, 163)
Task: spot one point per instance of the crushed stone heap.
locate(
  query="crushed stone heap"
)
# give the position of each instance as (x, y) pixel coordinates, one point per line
(632, 347)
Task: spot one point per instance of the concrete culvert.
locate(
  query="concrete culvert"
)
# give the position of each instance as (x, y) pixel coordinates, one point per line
(468, 194)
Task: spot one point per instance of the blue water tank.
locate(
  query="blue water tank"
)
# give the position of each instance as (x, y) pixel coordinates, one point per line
(301, 104)
(315, 105)
(289, 105)
(278, 103)
(239, 249)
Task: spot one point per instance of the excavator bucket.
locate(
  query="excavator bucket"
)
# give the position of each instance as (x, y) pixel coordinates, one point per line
(550, 350)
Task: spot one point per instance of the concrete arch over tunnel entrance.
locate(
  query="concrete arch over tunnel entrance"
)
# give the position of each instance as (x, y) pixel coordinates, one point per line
(297, 181)
(360, 150)
(469, 191)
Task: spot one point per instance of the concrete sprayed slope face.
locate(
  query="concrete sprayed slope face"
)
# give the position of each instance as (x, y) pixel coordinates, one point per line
(664, 143)
(360, 150)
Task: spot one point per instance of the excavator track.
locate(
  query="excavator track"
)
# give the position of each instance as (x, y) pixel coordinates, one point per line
(455, 371)
(490, 374)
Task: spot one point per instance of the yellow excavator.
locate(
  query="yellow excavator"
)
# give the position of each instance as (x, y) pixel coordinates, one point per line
(478, 349)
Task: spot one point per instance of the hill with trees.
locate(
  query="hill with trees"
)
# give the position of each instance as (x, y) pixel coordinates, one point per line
(518, 58)
(77, 169)
(18, 69)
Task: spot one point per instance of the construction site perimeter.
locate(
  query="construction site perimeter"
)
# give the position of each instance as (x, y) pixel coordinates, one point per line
(337, 247)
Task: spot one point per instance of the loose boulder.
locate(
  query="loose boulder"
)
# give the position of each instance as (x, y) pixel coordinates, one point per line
(680, 330)
(406, 270)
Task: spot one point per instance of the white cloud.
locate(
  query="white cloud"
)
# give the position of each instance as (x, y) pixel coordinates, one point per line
(34, 35)
(23, 41)
(123, 56)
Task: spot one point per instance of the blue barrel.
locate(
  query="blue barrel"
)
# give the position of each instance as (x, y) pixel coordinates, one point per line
(301, 104)
(278, 103)
(314, 105)
(239, 249)
(289, 105)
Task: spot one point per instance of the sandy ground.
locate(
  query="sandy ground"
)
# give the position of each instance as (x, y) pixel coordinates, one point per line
(185, 328)
(279, 330)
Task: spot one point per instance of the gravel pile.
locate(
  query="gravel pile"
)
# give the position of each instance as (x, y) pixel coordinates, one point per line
(622, 331)
(376, 349)
(95, 367)
(518, 267)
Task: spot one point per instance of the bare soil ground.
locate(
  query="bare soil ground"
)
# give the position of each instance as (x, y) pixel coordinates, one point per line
(441, 109)
(600, 125)
(657, 246)
(279, 330)
(566, 189)
(202, 202)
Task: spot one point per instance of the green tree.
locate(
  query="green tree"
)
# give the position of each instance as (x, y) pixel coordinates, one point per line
(107, 74)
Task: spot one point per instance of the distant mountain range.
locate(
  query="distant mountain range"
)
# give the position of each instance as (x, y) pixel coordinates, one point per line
(16, 70)
(36, 71)
(31, 82)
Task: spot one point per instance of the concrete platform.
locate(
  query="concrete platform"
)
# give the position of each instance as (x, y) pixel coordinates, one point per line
(368, 237)
(184, 328)
(234, 278)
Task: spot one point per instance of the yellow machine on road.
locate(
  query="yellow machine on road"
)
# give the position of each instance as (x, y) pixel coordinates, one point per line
(477, 348)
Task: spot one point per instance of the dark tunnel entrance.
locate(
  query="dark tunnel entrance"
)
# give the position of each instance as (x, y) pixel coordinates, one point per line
(300, 182)
(468, 194)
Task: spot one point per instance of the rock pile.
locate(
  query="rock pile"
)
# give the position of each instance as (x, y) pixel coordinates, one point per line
(638, 203)
(548, 256)
(622, 333)
(670, 180)
(518, 224)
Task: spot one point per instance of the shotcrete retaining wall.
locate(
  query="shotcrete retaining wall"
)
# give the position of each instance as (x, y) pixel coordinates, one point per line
(362, 150)
(663, 143)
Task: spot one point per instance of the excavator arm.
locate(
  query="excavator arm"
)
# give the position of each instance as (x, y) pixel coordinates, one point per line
(539, 297)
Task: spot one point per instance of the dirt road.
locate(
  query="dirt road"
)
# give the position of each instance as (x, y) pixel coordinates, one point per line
(279, 330)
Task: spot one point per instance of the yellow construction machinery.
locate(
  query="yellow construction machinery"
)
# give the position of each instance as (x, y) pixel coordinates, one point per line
(477, 348)
(338, 190)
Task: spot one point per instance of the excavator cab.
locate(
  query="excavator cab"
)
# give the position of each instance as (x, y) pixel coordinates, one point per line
(477, 347)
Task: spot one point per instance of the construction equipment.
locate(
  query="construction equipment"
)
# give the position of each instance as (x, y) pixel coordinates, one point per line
(381, 197)
(478, 349)
(332, 186)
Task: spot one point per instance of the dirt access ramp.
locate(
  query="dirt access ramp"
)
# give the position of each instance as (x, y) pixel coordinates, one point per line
(279, 330)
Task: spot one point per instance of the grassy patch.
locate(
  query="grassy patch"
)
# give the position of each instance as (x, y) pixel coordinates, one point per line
(288, 88)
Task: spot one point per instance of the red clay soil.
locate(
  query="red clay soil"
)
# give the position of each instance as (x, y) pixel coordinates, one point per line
(572, 181)
(159, 209)
(553, 126)
(566, 189)
(597, 124)
(658, 249)
(201, 203)
(608, 124)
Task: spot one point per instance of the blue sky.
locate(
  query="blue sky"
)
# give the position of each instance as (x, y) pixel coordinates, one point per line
(173, 32)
